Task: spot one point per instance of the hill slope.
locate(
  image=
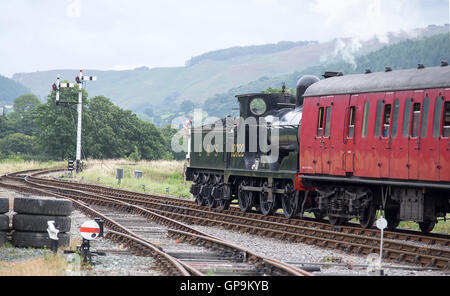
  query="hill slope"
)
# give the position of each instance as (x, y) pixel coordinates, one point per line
(209, 74)
(9, 90)
(407, 54)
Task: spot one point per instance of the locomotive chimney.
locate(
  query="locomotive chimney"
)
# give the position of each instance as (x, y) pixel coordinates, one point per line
(303, 84)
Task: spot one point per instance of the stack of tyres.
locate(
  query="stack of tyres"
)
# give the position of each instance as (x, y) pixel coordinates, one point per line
(4, 219)
(30, 223)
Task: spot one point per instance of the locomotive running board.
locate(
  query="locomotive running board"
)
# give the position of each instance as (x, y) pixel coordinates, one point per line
(376, 182)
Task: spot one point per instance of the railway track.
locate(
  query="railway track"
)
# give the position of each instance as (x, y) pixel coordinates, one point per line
(230, 258)
(399, 246)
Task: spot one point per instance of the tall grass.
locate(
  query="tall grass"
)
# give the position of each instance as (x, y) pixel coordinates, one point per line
(158, 177)
(49, 265)
(14, 165)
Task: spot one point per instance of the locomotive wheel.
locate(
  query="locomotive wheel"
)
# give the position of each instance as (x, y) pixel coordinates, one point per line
(290, 204)
(366, 221)
(224, 204)
(391, 218)
(211, 201)
(200, 200)
(245, 198)
(267, 207)
(335, 220)
(318, 214)
(427, 226)
(196, 177)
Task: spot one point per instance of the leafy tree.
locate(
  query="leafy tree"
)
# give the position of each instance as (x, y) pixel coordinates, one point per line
(135, 155)
(18, 143)
(58, 124)
(168, 132)
(23, 119)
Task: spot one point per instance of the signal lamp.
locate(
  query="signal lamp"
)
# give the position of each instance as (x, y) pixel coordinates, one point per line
(77, 79)
(55, 88)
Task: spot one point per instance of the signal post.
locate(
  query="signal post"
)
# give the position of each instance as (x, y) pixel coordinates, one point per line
(80, 79)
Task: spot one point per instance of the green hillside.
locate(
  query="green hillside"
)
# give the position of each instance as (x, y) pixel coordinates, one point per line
(9, 90)
(157, 94)
(407, 54)
(225, 54)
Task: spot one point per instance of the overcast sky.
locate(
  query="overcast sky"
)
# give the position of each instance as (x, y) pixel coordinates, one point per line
(112, 34)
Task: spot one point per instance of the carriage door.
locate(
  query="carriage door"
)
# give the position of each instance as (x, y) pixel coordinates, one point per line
(444, 142)
(429, 143)
(349, 138)
(323, 133)
(414, 135)
(384, 126)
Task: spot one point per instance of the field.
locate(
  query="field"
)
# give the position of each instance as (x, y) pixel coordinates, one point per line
(10, 165)
(158, 177)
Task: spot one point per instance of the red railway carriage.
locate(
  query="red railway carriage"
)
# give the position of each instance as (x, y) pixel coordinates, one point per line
(378, 140)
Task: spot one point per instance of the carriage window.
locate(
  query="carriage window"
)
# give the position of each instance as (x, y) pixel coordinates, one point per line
(365, 119)
(378, 118)
(328, 122)
(395, 118)
(406, 118)
(320, 123)
(424, 126)
(351, 123)
(387, 120)
(415, 120)
(437, 117)
(446, 129)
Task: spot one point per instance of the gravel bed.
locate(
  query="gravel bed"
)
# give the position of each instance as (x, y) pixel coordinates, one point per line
(117, 261)
(10, 254)
(295, 253)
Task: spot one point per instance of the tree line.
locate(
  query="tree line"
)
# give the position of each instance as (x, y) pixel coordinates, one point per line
(43, 131)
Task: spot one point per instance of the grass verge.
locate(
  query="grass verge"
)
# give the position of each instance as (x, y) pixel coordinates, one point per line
(158, 177)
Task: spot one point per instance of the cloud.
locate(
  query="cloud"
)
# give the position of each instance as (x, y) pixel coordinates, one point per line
(108, 34)
(364, 19)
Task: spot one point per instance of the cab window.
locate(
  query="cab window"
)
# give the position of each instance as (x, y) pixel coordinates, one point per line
(351, 123)
(387, 120)
(437, 117)
(395, 118)
(320, 122)
(415, 120)
(327, 122)
(406, 118)
(446, 128)
(378, 118)
(365, 119)
(424, 126)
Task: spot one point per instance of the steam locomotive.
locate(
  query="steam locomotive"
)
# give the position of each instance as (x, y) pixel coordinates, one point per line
(343, 148)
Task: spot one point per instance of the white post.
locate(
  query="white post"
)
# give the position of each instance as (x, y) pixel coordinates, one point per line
(57, 89)
(381, 224)
(80, 110)
(381, 249)
(188, 156)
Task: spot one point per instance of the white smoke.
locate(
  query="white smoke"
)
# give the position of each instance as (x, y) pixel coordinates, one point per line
(345, 50)
(363, 20)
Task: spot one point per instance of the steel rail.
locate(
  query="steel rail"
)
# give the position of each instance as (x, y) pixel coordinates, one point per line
(398, 235)
(276, 267)
(391, 251)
